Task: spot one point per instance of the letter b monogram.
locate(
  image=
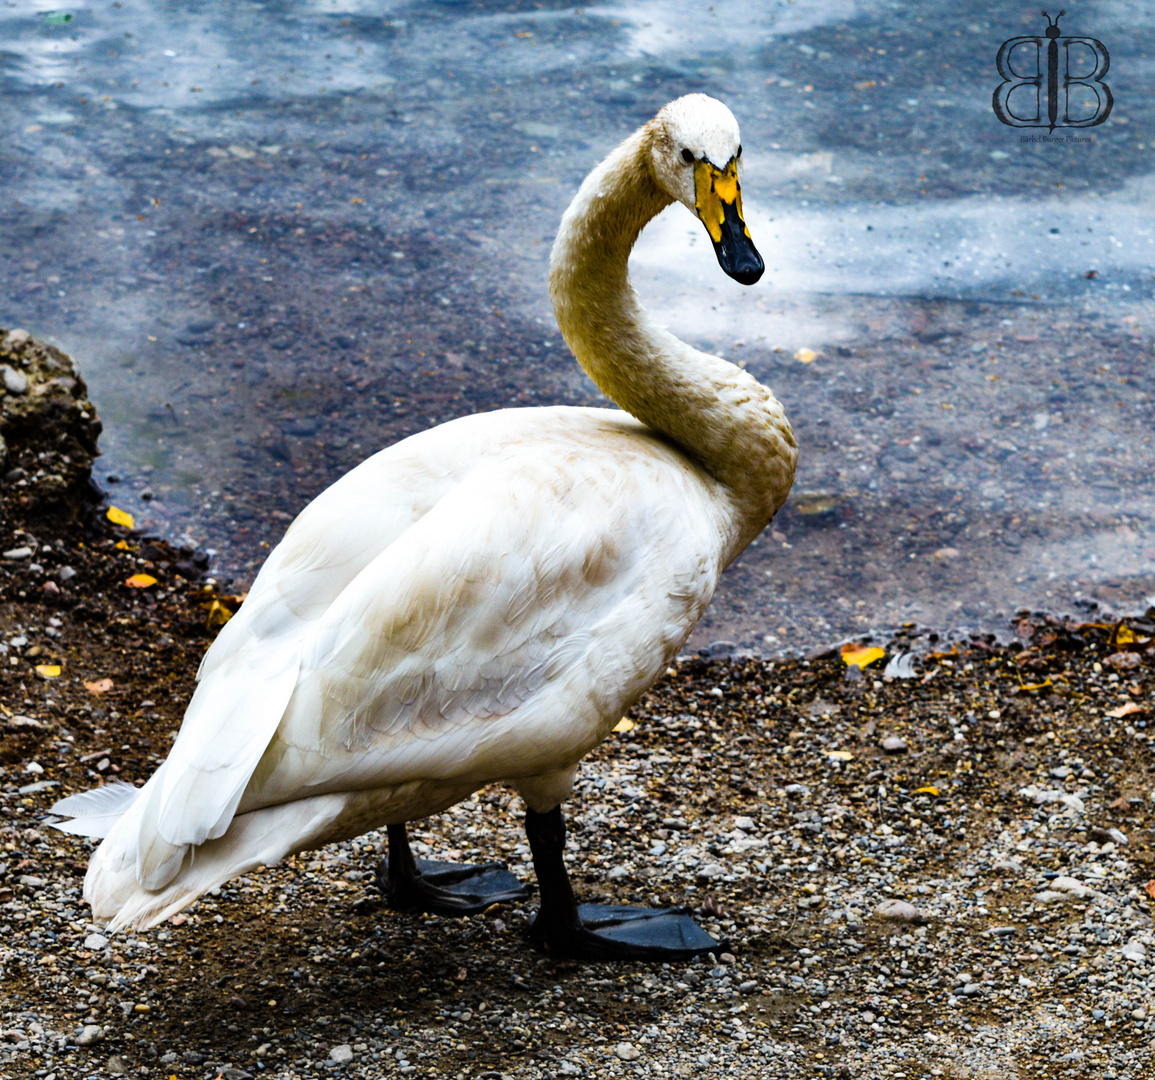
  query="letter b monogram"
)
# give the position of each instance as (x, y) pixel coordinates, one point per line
(1047, 71)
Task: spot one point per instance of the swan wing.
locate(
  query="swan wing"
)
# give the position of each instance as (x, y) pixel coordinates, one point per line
(500, 633)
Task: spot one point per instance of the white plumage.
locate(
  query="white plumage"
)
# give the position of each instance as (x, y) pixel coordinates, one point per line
(479, 602)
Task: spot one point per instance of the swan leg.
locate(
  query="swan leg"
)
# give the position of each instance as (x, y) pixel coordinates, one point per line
(600, 931)
(442, 888)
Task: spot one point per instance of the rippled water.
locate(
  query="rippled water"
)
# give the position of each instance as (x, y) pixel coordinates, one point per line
(279, 236)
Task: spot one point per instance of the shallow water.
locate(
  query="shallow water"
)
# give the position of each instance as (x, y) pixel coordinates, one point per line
(279, 236)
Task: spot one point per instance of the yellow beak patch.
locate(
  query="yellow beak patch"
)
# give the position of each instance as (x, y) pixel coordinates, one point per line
(714, 189)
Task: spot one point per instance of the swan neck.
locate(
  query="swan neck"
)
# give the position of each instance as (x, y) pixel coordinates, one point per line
(718, 414)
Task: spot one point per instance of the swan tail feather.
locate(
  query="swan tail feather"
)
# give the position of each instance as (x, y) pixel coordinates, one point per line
(262, 837)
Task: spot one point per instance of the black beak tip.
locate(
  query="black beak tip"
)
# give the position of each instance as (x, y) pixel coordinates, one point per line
(736, 252)
(748, 268)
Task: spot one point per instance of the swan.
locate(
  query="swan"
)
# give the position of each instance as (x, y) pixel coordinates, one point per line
(480, 602)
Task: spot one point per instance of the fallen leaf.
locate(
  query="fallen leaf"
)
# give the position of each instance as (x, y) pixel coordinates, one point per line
(1125, 710)
(122, 545)
(926, 791)
(98, 686)
(861, 655)
(1036, 685)
(624, 724)
(952, 651)
(218, 615)
(807, 356)
(141, 581)
(48, 671)
(840, 755)
(121, 517)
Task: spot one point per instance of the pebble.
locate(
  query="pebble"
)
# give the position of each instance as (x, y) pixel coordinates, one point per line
(18, 553)
(90, 1036)
(627, 1051)
(96, 942)
(710, 870)
(617, 873)
(341, 1054)
(892, 744)
(898, 911)
(1109, 836)
(15, 382)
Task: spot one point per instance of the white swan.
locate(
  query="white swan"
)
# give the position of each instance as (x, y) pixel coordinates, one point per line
(480, 602)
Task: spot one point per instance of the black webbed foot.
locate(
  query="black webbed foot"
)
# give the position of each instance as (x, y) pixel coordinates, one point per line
(613, 932)
(442, 888)
(597, 931)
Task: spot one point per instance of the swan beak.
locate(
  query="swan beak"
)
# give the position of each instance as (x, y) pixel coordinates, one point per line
(718, 201)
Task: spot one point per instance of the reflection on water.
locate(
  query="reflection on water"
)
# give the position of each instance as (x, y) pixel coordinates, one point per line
(281, 235)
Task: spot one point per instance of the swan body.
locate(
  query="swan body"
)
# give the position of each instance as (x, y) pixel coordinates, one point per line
(484, 600)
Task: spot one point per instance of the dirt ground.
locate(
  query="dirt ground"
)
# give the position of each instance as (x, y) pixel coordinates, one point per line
(1011, 810)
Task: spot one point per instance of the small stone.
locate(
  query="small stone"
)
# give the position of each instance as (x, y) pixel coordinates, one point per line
(66, 573)
(96, 942)
(341, 1054)
(15, 382)
(15, 554)
(16, 337)
(892, 744)
(971, 990)
(898, 911)
(1071, 885)
(746, 824)
(116, 1065)
(568, 1068)
(1061, 773)
(90, 1036)
(1109, 836)
(710, 870)
(1139, 1014)
(617, 873)
(627, 1051)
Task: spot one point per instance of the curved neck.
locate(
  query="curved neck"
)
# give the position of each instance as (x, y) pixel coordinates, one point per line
(722, 417)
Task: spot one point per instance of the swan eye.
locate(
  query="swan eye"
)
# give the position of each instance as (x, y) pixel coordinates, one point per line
(687, 156)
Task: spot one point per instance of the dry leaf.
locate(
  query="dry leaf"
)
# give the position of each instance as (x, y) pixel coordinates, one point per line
(625, 724)
(99, 686)
(861, 655)
(48, 671)
(1037, 685)
(218, 615)
(926, 791)
(141, 581)
(1125, 710)
(121, 517)
(122, 545)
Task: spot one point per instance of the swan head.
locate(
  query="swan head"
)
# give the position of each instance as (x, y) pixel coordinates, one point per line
(694, 153)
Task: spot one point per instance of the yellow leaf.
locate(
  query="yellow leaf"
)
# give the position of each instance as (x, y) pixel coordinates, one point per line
(121, 517)
(122, 545)
(48, 671)
(840, 755)
(807, 356)
(218, 614)
(141, 581)
(1124, 635)
(861, 655)
(926, 791)
(99, 686)
(1130, 709)
(625, 724)
(1037, 685)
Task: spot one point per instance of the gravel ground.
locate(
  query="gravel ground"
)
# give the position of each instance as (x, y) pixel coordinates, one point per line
(942, 871)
